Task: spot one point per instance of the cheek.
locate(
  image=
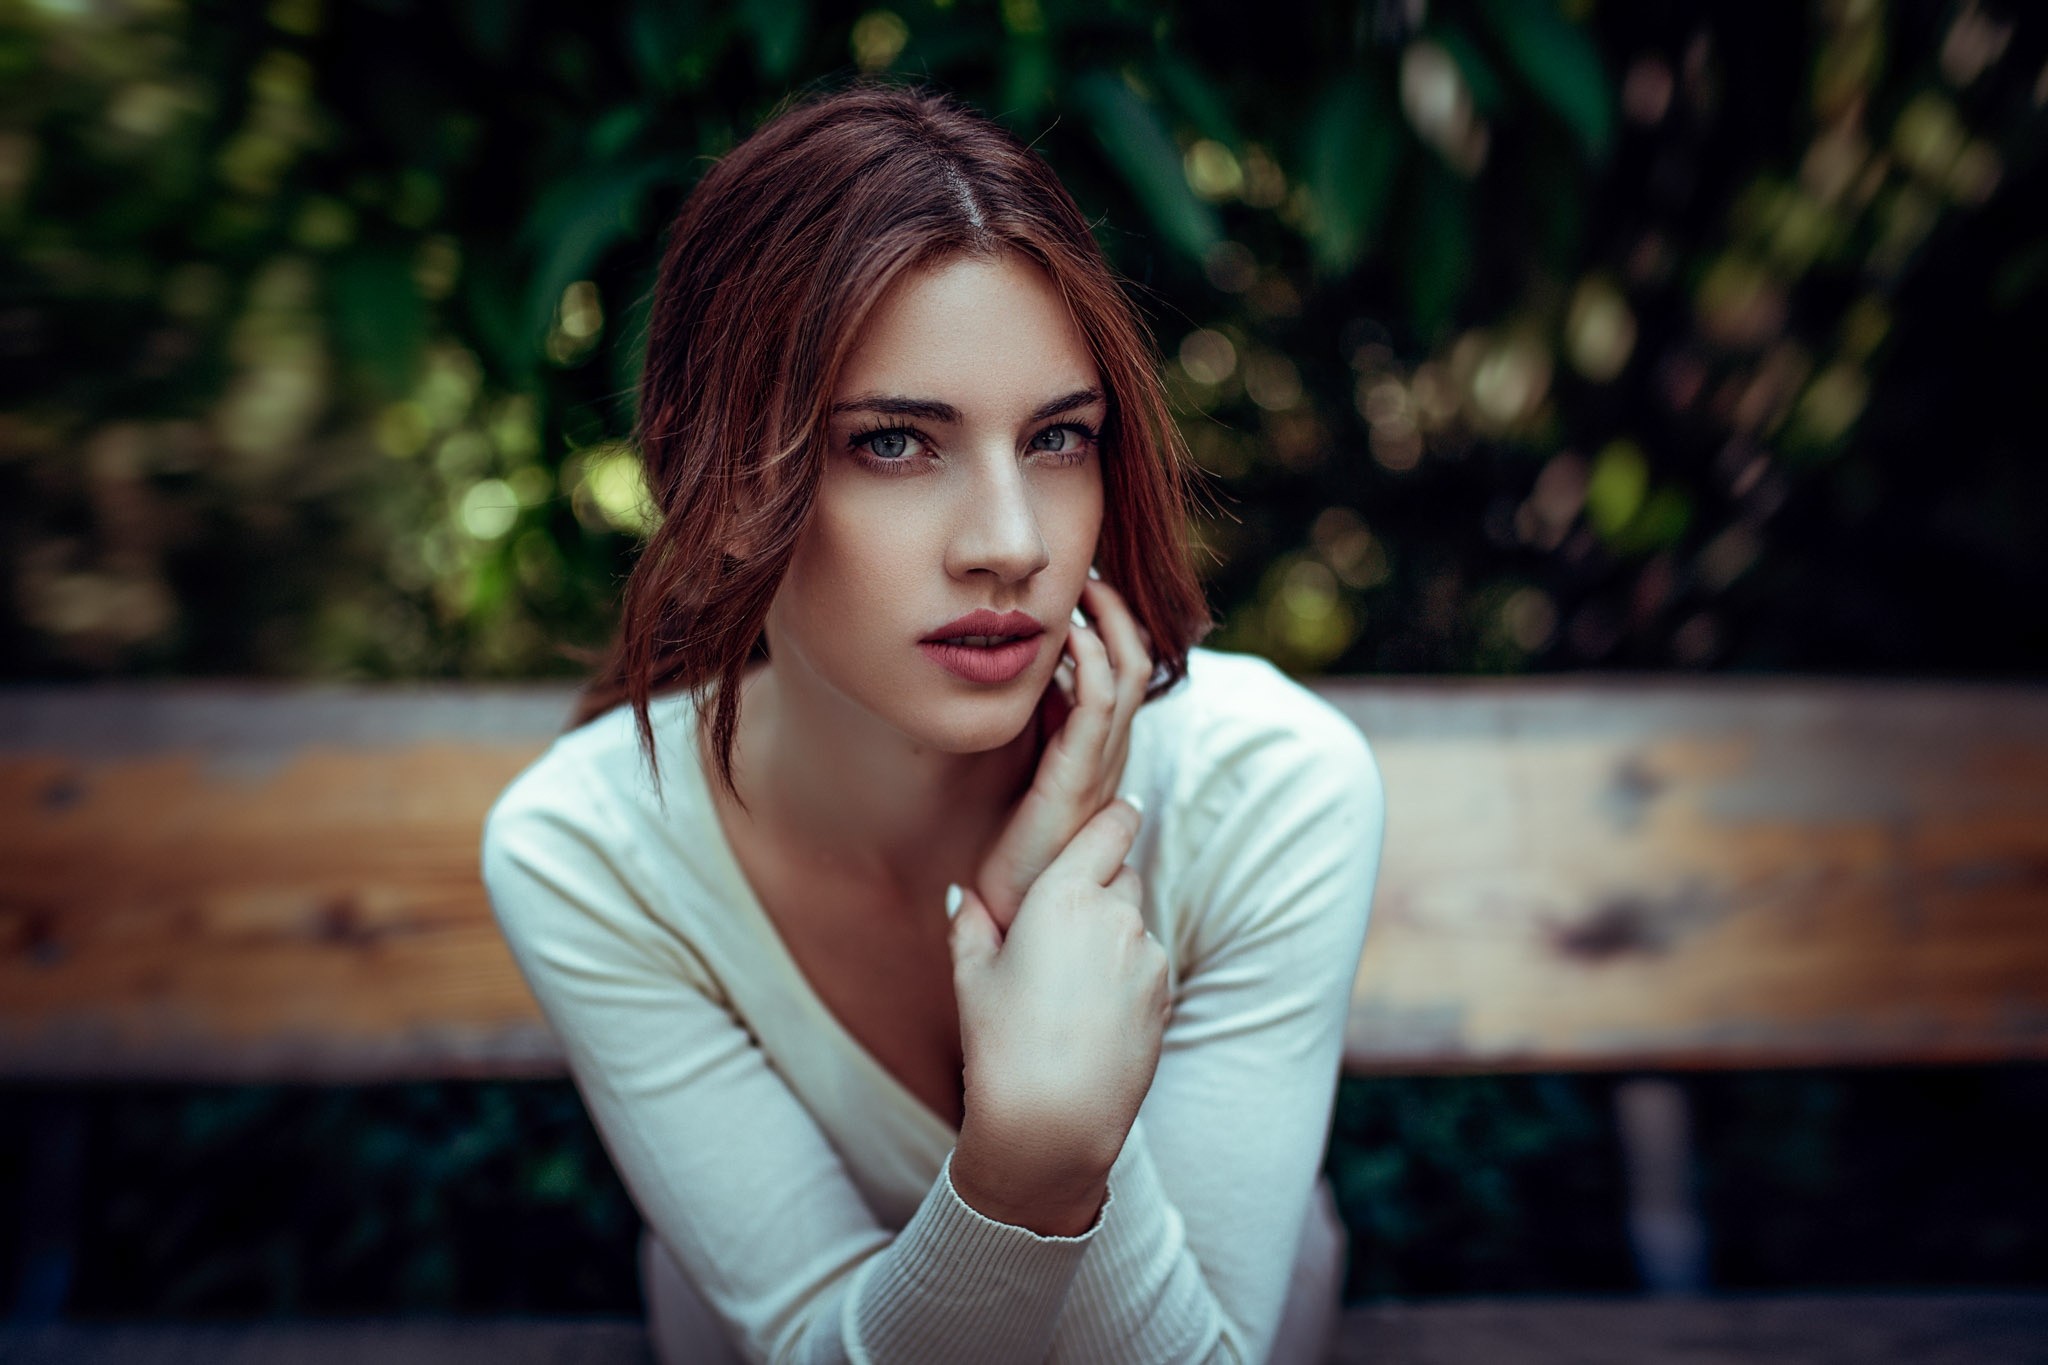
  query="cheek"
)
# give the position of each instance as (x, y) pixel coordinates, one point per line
(857, 556)
(1073, 521)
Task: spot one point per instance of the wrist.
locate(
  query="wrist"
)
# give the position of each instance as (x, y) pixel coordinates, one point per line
(1044, 1192)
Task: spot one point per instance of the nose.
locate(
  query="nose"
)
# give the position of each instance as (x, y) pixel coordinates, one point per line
(996, 525)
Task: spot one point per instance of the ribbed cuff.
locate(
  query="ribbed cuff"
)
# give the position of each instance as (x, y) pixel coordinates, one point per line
(955, 1276)
(1140, 1296)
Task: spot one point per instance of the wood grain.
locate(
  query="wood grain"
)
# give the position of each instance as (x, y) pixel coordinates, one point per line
(1723, 874)
(280, 883)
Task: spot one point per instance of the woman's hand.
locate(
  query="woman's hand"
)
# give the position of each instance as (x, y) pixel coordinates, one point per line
(1060, 1020)
(1082, 767)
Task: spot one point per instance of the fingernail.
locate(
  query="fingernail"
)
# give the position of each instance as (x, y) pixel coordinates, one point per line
(1137, 803)
(1078, 619)
(954, 895)
(1094, 572)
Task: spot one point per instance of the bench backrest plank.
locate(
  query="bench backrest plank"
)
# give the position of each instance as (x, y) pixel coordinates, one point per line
(1725, 872)
(220, 882)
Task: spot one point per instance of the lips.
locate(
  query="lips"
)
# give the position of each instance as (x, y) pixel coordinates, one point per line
(986, 629)
(988, 664)
(985, 646)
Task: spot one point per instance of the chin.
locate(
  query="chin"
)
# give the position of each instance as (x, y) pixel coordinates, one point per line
(974, 724)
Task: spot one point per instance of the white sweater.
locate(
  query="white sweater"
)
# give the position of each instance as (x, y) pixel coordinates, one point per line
(804, 1190)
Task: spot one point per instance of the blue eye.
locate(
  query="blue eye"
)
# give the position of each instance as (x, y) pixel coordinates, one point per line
(887, 445)
(1069, 441)
(886, 448)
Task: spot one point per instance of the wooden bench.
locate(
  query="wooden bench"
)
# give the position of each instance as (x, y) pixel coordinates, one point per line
(239, 883)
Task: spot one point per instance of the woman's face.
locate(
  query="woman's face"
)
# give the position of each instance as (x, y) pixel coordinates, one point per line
(961, 474)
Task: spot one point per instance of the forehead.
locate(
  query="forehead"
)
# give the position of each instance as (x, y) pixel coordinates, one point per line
(977, 332)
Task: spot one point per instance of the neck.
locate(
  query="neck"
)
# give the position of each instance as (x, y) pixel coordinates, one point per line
(858, 799)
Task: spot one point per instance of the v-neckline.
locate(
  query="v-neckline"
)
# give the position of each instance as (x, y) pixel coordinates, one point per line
(750, 904)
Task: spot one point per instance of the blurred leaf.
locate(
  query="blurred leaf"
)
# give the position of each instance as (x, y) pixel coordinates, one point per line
(557, 1178)
(490, 586)
(663, 37)
(492, 25)
(1197, 98)
(1354, 147)
(1560, 63)
(379, 318)
(778, 28)
(1439, 249)
(1027, 77)
(574, 223)
(1659, 523)
(616, 130)
(1480, 77)
(496, 312)
(1138, 143)
(1615, 489)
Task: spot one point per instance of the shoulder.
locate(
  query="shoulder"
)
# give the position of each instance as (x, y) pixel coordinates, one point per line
(1277, 814)
(574, 804)
(574, 862)
(1242, 729)
(586, 774)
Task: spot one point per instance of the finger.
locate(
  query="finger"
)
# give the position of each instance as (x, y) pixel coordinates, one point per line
(1129, 654)
(1063, 678)
(1128, 884)
(974, 938)
(1119, 629)
(1094, 677)
(1099, 847)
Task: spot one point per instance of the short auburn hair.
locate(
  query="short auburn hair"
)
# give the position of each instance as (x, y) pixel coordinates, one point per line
(772, 265)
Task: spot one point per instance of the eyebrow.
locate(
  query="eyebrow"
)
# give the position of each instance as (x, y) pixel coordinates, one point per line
(932, 411)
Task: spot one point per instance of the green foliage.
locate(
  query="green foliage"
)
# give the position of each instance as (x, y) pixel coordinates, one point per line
(1140, 145)
(1355, 147)
(323, 322)
(1561, 66)
(1482, 1184)
(266, 1200)
(497, 1198)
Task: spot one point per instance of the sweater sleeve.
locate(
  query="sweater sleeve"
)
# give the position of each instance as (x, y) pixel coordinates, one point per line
(719, 1155)
(1277, 851)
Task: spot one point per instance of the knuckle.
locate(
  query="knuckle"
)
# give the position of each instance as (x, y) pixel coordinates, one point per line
(1130, 922)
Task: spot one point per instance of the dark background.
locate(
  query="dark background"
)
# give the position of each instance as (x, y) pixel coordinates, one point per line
(1513, 338)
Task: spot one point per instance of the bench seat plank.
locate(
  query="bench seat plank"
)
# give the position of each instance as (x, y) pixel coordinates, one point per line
(1832, 1329)
(223, 882)
(1839, 1329)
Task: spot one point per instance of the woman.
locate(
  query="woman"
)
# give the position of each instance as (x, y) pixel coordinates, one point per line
(864, 971)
